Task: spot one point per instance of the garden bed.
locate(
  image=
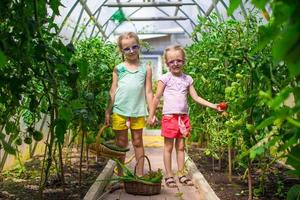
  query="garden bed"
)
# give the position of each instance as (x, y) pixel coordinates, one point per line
(276, 186)
(24, 184)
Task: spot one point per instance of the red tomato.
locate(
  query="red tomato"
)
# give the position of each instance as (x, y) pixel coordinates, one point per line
(223, 106)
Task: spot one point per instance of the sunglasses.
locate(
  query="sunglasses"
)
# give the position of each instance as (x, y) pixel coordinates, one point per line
(173, 62)
(130, 49)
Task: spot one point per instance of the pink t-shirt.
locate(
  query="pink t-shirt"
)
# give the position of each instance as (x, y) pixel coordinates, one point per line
(175, 93)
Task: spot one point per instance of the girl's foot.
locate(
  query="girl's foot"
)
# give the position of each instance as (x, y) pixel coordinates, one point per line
(170, 182)
(185, 181)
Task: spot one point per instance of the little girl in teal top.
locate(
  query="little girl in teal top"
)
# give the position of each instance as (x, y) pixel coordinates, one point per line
(131, 89)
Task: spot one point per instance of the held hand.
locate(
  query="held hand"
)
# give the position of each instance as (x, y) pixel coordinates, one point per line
(151, 120)
(156, 121)
(218, 109)
(186, 134)
(221, 108)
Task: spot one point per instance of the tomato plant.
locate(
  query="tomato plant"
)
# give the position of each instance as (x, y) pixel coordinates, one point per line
(281, 32)
(41, 76)
(224, 68)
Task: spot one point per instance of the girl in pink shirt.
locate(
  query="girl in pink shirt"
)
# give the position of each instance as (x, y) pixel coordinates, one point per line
(175, 86)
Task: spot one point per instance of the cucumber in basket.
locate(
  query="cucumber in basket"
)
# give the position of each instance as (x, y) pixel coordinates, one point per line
(115, 147)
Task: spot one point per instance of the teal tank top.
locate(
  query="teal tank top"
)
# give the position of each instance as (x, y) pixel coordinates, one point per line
(130, 98)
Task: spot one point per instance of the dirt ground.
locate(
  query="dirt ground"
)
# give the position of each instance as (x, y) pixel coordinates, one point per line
(23, 183)
(275, 186)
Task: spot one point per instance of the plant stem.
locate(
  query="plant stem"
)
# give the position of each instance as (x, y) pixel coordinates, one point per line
(81, 154)
(250, 197)
(61, 166)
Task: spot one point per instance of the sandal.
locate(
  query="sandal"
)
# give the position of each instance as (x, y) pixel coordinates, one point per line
(185, 181)
(170, 182)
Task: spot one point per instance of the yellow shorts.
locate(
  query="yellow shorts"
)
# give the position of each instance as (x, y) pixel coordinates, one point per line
(119, 122)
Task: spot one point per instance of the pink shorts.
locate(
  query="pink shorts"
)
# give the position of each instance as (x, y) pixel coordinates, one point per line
(170, 126)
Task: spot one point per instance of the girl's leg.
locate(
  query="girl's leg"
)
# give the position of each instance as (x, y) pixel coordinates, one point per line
(168, 147)
(179, 146)
(138, 146)
(121, 141)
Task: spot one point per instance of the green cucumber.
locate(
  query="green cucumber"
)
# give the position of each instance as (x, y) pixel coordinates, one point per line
(115, 148)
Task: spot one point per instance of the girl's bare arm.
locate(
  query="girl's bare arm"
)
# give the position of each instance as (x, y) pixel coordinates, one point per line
(111, 100)
(148, 87)
(159, 93)
(200, 100)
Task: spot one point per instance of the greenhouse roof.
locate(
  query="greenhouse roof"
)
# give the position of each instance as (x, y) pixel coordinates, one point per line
(149, 18)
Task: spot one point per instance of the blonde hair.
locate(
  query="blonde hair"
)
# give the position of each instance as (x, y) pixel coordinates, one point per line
(175, 47)
(126, 35)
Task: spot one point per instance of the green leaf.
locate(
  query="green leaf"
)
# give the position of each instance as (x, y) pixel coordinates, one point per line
(233, 6)
(66, 113)
(77, 104)
(282, 11)
(214, 59)
(249, 102)
(83, 69)
(60, 130)
(3, 59)
(179, 194)
(90, 139)
(126, 171)
(293, 121)
(294, 68)
(294, 193)
(7, 147)
(289, 143)
(54, 4)
(294, 172)
(61, 68)
(266, 122)
(42, 9)
(293, 157)
(266, 35)
(258, 151)
(261, 4)
(10, 127)
(272, 142)
(2, 136)
(283, 95)
(286, 46)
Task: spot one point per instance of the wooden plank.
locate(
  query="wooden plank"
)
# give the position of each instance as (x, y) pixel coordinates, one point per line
(99, 185)
(199, 180)
(190, 192)
(126, 196)
(112, 196)
(166, 194)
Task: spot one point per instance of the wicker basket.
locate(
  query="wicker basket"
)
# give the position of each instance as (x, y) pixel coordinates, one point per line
(102, 150)
(141, 188)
